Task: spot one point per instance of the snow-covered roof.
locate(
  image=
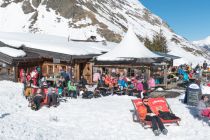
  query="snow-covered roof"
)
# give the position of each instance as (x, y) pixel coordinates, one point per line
(12, 52)
(79, 34)
(54, 43)
(180, 61)
(130, 47)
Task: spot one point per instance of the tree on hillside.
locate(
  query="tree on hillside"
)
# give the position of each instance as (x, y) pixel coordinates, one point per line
(148, 43)
(158, 43)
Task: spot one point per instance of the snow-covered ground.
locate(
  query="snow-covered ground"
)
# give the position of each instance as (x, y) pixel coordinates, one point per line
(106, 118)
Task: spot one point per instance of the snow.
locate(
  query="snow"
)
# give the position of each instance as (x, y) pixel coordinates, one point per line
(18, 21)
(205, 89)
(106, 118)
(54, 43)
(180, 61)
(84, 33)
(203, 42)
(186, 57)
(12, 52)
(84, 21)
(129, 47)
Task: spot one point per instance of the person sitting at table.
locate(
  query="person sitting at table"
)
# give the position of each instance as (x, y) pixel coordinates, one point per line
(97, 76)
(72, 90)
(139, 88)
(60, 87)
(52, 97)
(122, 84)
(151, 83)
(89, 91)
(202, 107)
(37, 99)
(101, 81)
(83, 81)
(130, 89)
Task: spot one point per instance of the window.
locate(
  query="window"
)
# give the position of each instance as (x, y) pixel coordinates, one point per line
(131, 72)
(50, 69)
(105, 70)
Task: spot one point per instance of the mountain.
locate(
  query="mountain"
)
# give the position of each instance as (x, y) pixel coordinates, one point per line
(80, 19)
(203, 44)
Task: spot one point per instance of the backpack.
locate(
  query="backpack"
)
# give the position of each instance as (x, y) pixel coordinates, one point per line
(205, 112)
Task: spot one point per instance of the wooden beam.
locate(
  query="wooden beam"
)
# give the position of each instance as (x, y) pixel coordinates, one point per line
(165, 75)
(15, 74)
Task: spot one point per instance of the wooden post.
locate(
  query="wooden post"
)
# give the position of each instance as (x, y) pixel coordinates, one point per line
(15, 74)
(76, 72)
(149, 72)
(165, 75)
(53, 68)
(47, 70)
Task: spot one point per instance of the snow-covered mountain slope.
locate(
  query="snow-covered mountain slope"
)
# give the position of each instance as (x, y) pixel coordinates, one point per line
(80, 19)
(203, 44)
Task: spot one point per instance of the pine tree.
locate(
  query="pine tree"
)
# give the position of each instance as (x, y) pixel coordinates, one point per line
(158, 43)
(148, 43)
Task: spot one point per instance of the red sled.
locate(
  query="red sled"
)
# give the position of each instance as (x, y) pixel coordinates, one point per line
(155, 104)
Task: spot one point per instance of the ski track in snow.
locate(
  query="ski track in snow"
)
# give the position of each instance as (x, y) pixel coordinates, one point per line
(106, 118)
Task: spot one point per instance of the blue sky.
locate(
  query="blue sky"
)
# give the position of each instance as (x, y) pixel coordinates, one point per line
(188, 18)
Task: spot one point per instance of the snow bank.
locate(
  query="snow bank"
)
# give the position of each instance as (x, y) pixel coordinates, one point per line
(106, 118)
(11, 99)
(205, 89)
(12, 52)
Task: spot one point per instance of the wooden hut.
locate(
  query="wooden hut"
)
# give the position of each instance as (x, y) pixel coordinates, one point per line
(53, 62)
(131, 54)
(12, 63)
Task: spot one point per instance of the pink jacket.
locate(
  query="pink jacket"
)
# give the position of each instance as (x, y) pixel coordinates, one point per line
(96, 77)
(151, 83)
(139, 86)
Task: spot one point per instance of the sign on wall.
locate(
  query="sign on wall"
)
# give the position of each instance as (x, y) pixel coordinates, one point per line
(56, 61)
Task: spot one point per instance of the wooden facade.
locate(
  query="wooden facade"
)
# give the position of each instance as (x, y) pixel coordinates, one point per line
(50, 63)
(49, 69)
(83, 68)
(140, 67)
(10, 66)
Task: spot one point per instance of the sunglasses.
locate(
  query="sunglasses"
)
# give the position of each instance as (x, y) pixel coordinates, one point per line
(145, 101)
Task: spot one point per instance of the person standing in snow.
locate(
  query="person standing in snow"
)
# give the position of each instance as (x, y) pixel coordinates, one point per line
(205, 65)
